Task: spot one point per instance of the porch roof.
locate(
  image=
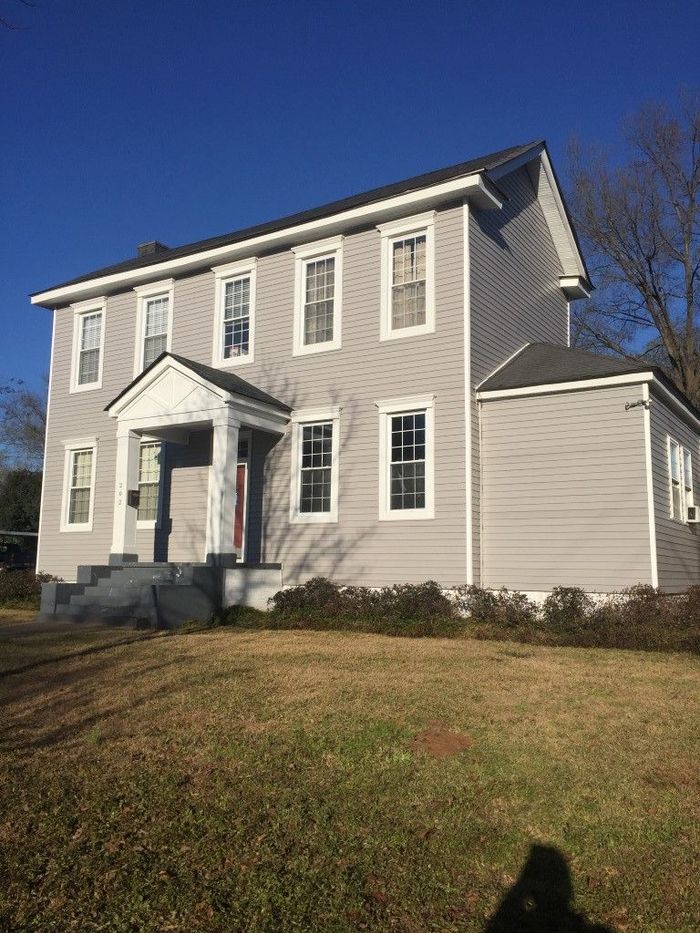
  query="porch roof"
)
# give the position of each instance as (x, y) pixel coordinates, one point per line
(229, 382)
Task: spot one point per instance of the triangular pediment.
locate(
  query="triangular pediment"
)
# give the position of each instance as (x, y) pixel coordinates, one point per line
(171, 390)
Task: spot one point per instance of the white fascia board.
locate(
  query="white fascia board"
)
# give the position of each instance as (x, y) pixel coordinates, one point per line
(553, 387)
(672, 399)
(470, 186)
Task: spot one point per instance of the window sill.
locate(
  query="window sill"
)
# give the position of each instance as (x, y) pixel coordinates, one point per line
(232, 362)
(72, 529)
(88, 387)
(314, 518)
(145, 525)
(308, 349)
(418, 331)
(407, 515)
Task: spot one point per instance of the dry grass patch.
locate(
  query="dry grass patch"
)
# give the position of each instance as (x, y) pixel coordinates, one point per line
(229, 780)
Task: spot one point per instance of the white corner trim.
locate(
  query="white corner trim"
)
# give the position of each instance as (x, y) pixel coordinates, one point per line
(312, 252)
(650, 486)
(46, 445)
(471, 186)
(504, 363)
(550, 388)
(246, 268)
(70, 447)
(80, 310)
(164, 288)
(468, 478)
(307, 416)
(385, 410)
(397, 230)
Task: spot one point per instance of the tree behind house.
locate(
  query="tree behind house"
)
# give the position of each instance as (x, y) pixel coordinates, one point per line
(640, 222)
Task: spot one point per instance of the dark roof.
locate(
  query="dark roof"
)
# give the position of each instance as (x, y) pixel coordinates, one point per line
(546, 363)
(481, 164)
(541, 363)
(230, 382)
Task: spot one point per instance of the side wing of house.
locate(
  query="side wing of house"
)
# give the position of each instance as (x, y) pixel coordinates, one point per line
(675, 453)
(565, 491)
(516, 296)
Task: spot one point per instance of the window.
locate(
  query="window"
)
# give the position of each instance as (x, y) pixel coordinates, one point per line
(407, 298)
(315, 445)
(149, 482)
(79, 485)
(88, 345)
(318, 294)
(154, 322)
(406, 460)
(234, 313)
(681, 477)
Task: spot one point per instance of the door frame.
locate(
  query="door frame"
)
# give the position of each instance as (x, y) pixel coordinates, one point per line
(245, 434)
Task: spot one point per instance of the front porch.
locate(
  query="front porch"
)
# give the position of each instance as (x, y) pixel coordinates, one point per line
(206, 421)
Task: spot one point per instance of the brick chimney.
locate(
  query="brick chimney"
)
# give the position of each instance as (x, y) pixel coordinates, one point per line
(151, 248)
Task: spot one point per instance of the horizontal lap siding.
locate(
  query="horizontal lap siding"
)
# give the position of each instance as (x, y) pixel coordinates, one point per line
(359, 549)
(564, 490)
(677, 544)
(515, 295)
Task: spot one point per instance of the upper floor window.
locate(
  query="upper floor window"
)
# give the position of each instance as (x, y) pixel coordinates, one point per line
(79, 485)
(153, 322)
(406, 458)
(315, 465)
(88, 345)
(150, 453)
(234, 317)
(318, 296)
(681, 478)
(407, 297)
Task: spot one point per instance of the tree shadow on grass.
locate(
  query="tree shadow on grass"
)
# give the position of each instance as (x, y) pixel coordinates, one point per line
(541, 900)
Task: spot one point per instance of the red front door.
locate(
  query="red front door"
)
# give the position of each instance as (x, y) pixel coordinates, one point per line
(239, 519)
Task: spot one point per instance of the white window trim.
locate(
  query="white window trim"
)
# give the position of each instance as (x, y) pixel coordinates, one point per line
(222, 275)
(300, 418)
(331, 248)
(398, 230)
(153, 523)
(682, 451)
(82, 443)
(164, 288)
(397, 406)
(80, 309)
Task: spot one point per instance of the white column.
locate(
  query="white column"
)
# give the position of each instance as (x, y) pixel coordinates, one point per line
(222, 490)
(126, 479)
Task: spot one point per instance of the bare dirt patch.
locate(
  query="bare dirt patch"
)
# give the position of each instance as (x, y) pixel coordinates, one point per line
(439, 742)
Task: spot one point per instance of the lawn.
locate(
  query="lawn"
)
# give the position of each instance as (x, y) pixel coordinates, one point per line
(237, 780)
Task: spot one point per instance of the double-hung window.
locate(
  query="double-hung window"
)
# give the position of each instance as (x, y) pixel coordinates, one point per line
(408, 287)
(234, 325)
(88, 345)
(318, 296)
(406, 458)
(154, 322)
(150, 453)
(79, 485)
(315, 466)
(680, 466)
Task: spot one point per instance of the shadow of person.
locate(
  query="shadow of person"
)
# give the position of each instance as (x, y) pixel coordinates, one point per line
(540, 901)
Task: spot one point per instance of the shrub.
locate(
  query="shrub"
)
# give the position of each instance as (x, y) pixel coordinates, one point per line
(566, 607)
(316, 595)
(20, 588)
(505, 607)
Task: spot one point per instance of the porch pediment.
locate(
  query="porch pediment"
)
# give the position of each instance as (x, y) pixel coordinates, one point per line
(177, 391)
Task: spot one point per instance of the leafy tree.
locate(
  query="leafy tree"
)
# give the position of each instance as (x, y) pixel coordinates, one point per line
(640, 221)
(20, 498)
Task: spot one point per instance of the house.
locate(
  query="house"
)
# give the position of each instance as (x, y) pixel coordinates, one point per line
(378, 390)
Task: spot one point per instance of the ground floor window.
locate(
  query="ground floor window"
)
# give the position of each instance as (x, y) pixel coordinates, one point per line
(315, 446)
(680, 465)
(79, 486)
(406, 458)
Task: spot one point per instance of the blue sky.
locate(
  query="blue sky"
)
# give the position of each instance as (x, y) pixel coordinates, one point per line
(180, 119)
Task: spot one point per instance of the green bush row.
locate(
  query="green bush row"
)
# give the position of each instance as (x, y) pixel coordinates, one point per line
(20, 588)
(641, 618)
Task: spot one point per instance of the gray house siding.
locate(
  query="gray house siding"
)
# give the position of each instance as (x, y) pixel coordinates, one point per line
(515, 296)
(359, 548)
(677, 544)
(564, 486)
